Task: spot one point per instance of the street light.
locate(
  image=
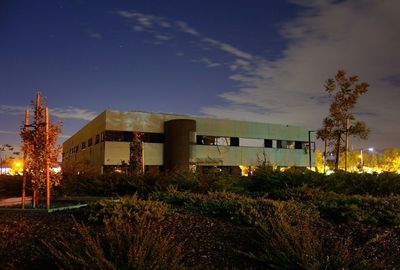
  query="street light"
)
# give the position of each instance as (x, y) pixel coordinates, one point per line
(309, 147)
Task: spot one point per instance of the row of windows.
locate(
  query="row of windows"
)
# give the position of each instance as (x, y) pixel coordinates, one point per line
(263, 143)
(149, 137)
(117, 136)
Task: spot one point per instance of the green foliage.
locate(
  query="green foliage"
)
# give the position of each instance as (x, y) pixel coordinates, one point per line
(384, 184)
(229, 206)
(344, 92)
(123, 244)
(288, 239)
(126, 208)
(270, 181)
(203, 182)
(343, 208)
(104, 185)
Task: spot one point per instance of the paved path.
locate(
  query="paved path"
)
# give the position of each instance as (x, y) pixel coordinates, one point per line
(14, 201)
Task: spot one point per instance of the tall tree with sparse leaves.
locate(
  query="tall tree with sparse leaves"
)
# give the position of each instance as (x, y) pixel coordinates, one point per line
(340, 122)
(37, 150)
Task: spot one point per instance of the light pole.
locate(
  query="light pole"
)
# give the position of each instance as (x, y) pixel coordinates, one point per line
(309, 147)
(370, 149)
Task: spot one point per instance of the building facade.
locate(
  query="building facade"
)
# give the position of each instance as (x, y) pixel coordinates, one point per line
(183, 142)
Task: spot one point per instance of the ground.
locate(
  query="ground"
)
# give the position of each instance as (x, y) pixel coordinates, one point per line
(210, 243)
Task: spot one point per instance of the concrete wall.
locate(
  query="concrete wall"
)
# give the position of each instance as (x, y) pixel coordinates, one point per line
(113, 153)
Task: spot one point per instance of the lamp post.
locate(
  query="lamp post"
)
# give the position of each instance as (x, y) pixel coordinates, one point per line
(309, 147)
(370, 149)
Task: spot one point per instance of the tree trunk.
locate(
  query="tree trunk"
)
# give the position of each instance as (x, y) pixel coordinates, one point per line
(337, 152)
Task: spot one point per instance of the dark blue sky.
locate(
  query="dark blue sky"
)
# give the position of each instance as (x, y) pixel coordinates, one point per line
(255, 60)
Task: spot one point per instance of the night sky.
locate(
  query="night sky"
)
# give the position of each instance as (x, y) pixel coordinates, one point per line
(254, 60)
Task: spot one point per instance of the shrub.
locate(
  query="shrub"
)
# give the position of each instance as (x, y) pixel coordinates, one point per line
(265, 180)
(343, 208)
(127, 207)
(288, 239)
(384, 184)
(202, 182)
(229, 206)
(124, 244)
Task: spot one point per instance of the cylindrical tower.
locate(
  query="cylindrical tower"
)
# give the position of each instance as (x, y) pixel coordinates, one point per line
(179, 134)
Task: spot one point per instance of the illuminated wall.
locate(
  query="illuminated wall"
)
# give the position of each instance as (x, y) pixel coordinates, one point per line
(215, 142)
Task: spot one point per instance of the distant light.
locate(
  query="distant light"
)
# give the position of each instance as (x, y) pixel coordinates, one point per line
(329, 172)
(371, 149)
(56, 169)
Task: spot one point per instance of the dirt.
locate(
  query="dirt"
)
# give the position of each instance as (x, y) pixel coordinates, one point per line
(209, 243)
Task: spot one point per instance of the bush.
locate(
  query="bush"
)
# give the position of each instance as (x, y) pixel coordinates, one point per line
(124, 244)
(202, 182)
(384, 184)
(343, 208)
(288, 239)
(127, 207)
(108, 184)
(229, 206)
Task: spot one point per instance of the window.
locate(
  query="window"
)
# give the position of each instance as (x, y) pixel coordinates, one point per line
(83, 145)
(267, 143)
(290, 144)
(213, 140)
(285, 144)
(90, 142)
(234, 141)
(127, 136)
(149, 137)
(97, 139)
(298, 145)
(251, 142)
(118, 136)
(278, 144)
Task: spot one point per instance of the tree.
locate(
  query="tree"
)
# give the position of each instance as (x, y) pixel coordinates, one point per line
(391, 160)
(39, 145)
(341, 123)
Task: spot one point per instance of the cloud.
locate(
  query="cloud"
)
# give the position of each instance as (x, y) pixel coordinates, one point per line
(9, 132)
(359, 36)
(161, 28)
(93, 34)
(96, 36)
(12, 110)
(73, 113)
(64, 113)
(207, 62)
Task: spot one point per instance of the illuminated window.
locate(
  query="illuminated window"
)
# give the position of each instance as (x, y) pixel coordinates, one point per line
(213, 140)
(251, 142)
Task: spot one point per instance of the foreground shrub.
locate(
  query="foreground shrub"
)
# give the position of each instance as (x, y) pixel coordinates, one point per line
(288, 239)
(123, 244)
(384, 184)
(266, 180)
(126, 208)
(229, 206)
(202, 182)
(343, 208)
